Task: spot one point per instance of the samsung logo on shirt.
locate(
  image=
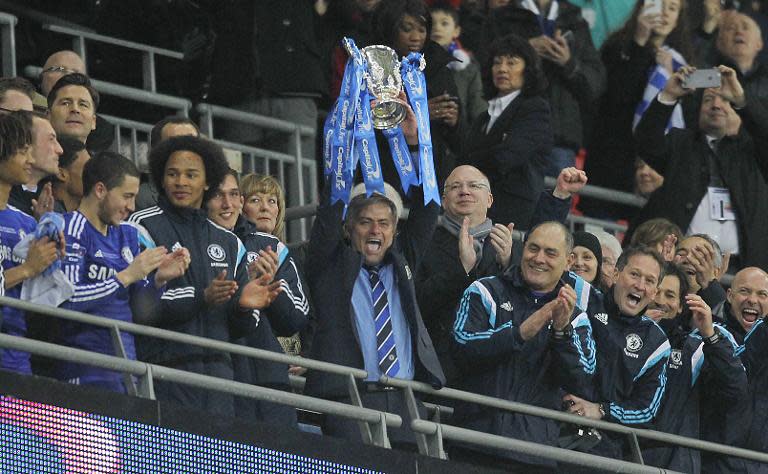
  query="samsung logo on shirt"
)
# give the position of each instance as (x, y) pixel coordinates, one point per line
(98, 272)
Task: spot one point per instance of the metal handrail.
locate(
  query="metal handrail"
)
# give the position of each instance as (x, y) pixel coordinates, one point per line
(516, 407)
(8, 38)
(295, 131)
(264, 121)
(179, 104)
(148, 52)
(140, 370)
(534, 449)
(167, 335)
(154, 371)
(605, 194)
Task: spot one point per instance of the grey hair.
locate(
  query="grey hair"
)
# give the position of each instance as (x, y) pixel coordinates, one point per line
(609, 241)
(718, 261)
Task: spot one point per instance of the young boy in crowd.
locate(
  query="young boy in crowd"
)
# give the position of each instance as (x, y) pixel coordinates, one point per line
(466, 72)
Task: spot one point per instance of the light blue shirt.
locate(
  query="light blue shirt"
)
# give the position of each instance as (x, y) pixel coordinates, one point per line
(362, 311)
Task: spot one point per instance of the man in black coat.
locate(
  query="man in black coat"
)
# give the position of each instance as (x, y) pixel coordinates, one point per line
(462, 252)
(707, 168)
(346, 268)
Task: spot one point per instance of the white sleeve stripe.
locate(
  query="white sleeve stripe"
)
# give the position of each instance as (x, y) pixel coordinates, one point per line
(300, 303)
(109, 288)
(81, 226)
(93, 296)
(176, 291)
(178, 297)
(96, 286)
(148, 212)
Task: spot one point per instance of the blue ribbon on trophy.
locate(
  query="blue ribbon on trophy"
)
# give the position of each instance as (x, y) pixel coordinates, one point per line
(366, 151)
(343, 125)
(416, 87)
(370, 98)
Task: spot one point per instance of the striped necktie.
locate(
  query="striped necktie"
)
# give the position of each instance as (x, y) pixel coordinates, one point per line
(385, 338)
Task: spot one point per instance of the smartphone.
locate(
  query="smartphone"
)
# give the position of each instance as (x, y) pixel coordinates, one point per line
(454, 99)
(702, 79)
(653, 7)
(568, 36)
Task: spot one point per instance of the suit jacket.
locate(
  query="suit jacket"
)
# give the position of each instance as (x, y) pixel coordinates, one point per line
(333, 266)
(681, 156)
(513, 156)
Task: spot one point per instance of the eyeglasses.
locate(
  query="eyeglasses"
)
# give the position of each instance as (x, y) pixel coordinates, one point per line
(472, 185)
(61, 69)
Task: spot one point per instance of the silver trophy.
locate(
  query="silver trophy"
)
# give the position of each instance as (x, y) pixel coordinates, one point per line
(383, 79)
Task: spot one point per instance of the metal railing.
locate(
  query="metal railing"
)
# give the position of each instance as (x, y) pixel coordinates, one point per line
(604, 194)
(373, 424)
(180, 105)
(148, 52)
(8, 38)
(300, 164)
(135, 151)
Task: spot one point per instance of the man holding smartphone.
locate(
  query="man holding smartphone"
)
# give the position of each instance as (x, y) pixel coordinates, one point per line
(714, 182)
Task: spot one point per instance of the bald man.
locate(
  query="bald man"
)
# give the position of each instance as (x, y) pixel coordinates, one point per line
(467, 246)
(745, 310)
(58, 65)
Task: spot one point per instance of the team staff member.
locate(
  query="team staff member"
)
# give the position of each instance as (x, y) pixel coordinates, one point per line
(285, 316)
(702, 365)
(107, 267)
(632, 350)
(467, 246)
(744, 312)
(361, 275)
(214, 298)
(513, 339)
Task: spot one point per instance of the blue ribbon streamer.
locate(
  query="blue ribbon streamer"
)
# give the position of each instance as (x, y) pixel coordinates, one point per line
(340, 132)
(416, 87)
(401, 155)
(366, 151)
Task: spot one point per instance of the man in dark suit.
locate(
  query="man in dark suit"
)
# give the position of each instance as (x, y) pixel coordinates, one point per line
(361, 279)
(468, 246)
(714, 182)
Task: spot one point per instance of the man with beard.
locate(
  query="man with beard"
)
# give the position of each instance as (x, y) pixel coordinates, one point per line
(107, 267)
(702, 365)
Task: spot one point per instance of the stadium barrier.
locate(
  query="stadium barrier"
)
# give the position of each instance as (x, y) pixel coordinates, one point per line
(374, 425)
(149, 53)
(8, 39)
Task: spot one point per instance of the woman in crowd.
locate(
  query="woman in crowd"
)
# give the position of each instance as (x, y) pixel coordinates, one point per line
(510, 144)
(638, 59)
(264, 204)
(586, 257)
(405, 26)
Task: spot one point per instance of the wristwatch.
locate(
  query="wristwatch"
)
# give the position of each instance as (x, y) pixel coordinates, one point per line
(602, 410)
(712, 339)
(561, 334)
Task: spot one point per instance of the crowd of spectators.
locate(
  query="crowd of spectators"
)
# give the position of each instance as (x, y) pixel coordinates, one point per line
(487, 291)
